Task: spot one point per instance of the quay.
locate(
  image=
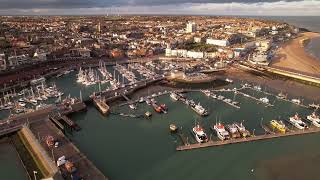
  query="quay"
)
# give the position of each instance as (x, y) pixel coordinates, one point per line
(248, 139)
(295, 75)
(85, 167)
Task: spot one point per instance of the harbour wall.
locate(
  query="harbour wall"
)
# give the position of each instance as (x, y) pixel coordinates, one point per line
(46, 166)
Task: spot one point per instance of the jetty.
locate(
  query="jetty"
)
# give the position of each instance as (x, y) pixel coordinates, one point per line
(211, 143)
(229, 102)
(254, 98)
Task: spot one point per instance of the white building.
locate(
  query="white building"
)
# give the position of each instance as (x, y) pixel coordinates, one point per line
(259, 59)
(263, 45)
(17, 60)
(218, 42)
(184, 53)
(168, 52)
(195, 55)
(42, 56)
(179, 52)
(197, 39)
(3, 64)
(191, 27)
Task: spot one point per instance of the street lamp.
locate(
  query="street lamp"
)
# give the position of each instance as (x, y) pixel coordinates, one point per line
(34, 175)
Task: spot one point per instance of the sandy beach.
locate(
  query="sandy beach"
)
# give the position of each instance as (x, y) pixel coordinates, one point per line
(292, 56)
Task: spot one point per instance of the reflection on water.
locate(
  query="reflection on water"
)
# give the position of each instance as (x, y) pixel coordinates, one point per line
(10, 164)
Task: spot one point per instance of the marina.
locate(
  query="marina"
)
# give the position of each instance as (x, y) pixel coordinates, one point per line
(118, 115)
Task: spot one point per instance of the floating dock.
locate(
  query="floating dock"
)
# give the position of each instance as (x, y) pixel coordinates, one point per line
(70, 123)
(101, 105)
(248, 139)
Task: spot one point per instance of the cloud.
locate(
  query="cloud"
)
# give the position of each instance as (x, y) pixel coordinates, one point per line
(202, 7)
(69, 4)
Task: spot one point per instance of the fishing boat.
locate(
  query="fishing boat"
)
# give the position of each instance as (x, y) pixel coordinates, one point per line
(173, 128)
(148, 114)
(242, 129)
(156, 108)
(19, 110)
(315, 120)
(314, 106)
(148, 101)
(221, 132)
(199, 109)
(164, 107)
(199, 134)
(264, 100)
(297, 122)
(141, 99)
(233, 130)
(279, 125)
(220, 97)
(229, 80)
(281, 96)
(22, 104)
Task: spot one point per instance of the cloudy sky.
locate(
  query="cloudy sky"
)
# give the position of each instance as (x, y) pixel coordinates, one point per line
(197, 7)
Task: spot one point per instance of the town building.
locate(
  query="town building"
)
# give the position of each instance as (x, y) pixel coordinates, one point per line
(3, 63)
(217, 42)
(191, 27)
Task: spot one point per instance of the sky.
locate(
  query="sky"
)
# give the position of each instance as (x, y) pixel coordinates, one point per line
(167, 7)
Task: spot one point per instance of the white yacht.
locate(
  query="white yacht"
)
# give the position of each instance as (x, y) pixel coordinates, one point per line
(297, 122)
(221, 131)
(174, 96)
(264, 100)
(258, 88)
(296, 101)
(206, 92)
(132, 106)
(199, 134)
(199, 109)
(315, 120)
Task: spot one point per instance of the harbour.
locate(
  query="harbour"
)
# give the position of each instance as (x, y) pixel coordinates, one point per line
(157, 126)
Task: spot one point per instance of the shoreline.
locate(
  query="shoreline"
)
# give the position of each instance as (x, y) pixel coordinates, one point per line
(293, 56)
